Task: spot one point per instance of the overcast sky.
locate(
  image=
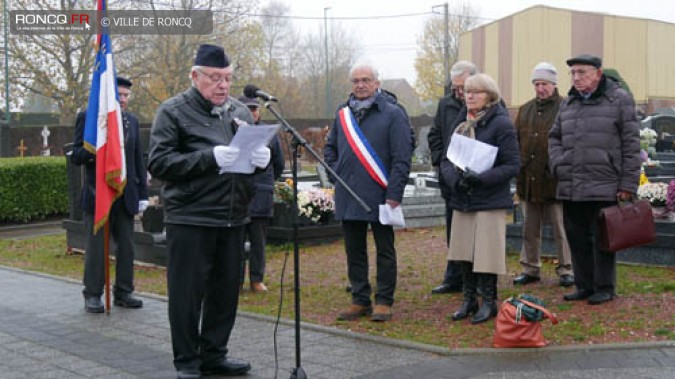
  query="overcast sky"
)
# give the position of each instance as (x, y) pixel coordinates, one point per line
(391, 43)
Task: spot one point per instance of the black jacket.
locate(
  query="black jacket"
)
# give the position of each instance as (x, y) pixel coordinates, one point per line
(136, 187)
(262, 203)
(439, 135)
(183, 135)
(496, 129)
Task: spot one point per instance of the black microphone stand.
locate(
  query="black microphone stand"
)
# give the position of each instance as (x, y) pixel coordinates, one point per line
(298, 140)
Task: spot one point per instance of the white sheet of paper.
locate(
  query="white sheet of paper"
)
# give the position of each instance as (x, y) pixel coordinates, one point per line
(391, 216)
(249, 138)
(466, 152)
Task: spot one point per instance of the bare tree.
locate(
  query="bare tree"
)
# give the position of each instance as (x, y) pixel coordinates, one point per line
(54, 66)
(161, 63)
(341, 55)
(429, 62)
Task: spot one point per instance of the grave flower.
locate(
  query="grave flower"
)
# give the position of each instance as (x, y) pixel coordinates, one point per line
(316, 203)
(654, 192)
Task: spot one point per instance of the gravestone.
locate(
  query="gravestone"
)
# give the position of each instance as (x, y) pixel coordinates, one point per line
(666, 170)
(45, 141)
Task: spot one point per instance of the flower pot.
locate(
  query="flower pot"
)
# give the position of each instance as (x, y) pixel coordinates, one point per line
(283, 217)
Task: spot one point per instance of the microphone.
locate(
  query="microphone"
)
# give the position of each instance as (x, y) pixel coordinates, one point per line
(252, 91)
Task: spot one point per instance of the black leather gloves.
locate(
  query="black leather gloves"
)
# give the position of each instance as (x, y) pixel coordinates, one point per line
(468, 181)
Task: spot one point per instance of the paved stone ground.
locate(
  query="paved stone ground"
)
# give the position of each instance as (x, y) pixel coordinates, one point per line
(45, 333)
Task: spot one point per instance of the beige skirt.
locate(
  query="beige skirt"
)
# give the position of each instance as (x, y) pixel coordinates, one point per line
(479, 237)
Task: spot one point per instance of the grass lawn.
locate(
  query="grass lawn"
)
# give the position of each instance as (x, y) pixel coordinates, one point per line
(643, 311)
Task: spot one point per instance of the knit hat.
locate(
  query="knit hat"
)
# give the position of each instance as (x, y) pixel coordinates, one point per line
(545, 71)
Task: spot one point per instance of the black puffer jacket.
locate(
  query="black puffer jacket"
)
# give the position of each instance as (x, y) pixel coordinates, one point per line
(183, 135)
(594, 145)
(496, 129)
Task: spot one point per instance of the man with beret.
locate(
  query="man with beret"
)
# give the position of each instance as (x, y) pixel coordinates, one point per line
(121, 218)
(205, 213)
(535, 185)
(594, 153)
(261, 208)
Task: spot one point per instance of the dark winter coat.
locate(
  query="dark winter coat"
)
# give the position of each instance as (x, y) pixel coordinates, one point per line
(594, 145)
(493, 191)
(182, 139)
(535, 183)
(136, 187)
(262, 203)
(387, 129)
(439, 135)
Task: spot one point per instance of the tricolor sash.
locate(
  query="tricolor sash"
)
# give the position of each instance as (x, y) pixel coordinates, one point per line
(362, 148)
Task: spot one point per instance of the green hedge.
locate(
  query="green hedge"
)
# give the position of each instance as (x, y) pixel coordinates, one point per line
(32, 188)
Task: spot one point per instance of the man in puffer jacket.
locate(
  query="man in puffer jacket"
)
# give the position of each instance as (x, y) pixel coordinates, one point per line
(594, 148)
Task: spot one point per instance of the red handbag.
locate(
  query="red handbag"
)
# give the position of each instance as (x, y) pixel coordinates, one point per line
(512, 329)
(626, 225)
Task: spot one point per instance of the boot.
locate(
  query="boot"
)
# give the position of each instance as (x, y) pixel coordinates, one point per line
(488, 309)
(470, 305)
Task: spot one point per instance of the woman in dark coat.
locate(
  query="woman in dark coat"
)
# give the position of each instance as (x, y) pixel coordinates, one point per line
(479, 200)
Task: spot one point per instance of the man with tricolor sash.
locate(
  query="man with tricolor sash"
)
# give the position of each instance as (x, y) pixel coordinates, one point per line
(370, 147)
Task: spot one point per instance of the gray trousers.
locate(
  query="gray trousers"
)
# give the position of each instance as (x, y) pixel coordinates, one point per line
(122, 231)
(534, 215)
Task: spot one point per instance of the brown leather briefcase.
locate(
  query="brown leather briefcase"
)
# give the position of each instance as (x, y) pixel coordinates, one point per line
(626, 225)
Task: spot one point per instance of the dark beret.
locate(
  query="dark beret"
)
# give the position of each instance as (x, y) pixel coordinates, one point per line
(211, 56)
(249, 101)
(587, 59)
(124, 82)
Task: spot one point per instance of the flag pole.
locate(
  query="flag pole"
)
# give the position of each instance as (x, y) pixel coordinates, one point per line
(106, 264)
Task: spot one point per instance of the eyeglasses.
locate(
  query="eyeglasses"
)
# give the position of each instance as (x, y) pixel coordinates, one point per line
(356, 81)
(457, 88)
(215, 78)
(581, 72)
(474, 92)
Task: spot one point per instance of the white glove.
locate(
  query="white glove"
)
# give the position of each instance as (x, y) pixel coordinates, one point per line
(225, 155)
(261, 157)
(142, 206)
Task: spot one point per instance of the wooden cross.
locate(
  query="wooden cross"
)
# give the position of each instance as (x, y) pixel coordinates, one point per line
(22, 148)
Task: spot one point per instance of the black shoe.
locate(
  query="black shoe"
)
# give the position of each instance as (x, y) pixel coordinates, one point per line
(486, 311)
(525, 279)
(446, 288)
(579, 295)
(566, 280)
(93, 305)
(128, 301)
(189, 374)
(227, 367)
(467, 308)
(600, 297)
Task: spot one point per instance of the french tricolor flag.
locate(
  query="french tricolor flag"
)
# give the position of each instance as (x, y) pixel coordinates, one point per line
(103, 134)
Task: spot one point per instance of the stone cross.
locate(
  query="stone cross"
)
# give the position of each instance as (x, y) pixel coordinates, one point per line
(45, 143)
(22, 148)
